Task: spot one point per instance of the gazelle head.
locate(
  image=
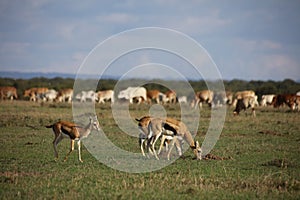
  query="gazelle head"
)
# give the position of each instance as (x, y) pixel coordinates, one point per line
(95, 123)
(197, 151)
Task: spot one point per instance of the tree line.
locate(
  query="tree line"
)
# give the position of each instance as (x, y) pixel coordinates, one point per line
(260, 87)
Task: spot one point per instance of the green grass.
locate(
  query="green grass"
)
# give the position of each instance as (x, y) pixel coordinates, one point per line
(263, 151)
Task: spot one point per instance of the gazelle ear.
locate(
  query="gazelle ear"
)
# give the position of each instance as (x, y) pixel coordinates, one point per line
(197, 144)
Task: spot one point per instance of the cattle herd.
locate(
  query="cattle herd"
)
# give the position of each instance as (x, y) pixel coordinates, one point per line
(240, 100)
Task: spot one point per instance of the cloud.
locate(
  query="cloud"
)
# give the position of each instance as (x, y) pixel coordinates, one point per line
(259, 59)
(200, 24)
(19, 48)
(252, 45)
(118, 18)
(280, 66)
(66, 31)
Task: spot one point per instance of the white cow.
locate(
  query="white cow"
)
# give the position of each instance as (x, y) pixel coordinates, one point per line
(267, 99)
(50, 95)
(106, 95)
(133, 92)
(84, 96)
(182, 99)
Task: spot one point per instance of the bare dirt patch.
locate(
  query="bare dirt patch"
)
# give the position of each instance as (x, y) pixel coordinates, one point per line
(215, 157)
(269, 132)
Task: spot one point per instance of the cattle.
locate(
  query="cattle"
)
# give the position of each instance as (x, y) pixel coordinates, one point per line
(133, 92)
(229, 97)
(242, 94)
(170, 97)
(297, 103)
(7, 92)
(244, 103)
(203, 96)
(84, 96)
(256, 100)
(288, 99)
(105, 95)
(266, 99)
(35, 94)
(65, 95)
(219, 99)
(50, 95)
(245, 93)
(153, 95)
(182, 99)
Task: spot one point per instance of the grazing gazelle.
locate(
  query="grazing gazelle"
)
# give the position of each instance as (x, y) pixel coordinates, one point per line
(146, 136)
(152, 128)
(65, 129)
(180, 131)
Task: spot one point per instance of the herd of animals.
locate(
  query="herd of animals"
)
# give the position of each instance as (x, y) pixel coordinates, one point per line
(241, 100)
(151, 128)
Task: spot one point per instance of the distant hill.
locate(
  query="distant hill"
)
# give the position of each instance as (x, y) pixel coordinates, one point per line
(29, 75)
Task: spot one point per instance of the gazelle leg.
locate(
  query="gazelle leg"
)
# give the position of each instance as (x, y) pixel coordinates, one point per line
(163, 138)
(149, 145)
(142, 147)
(71, 149)
(79, 150)
(55, 143)
(171, 146)
(178, 147)
(153, 146)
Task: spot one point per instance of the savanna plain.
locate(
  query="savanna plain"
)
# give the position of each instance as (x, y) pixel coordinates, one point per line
(254, 158)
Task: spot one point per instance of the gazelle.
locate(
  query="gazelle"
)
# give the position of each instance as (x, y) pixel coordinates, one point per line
(180, 132)
(167, 128)
(65, 129)
(146, 136)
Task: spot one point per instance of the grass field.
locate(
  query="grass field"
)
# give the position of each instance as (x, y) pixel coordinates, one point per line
(263, 159)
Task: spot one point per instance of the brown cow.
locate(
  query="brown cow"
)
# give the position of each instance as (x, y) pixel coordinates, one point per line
(34, 93)
(281, 99)
(65, 95)
(153, 95)
(169, 97)
(7, 92)
(243, 104)
(106, 95)
(297, 103)
(242, 94)
(203, 96)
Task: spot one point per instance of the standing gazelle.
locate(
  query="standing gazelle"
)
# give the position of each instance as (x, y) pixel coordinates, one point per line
(65, 129)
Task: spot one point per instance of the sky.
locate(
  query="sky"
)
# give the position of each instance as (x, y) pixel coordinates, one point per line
(249, 40)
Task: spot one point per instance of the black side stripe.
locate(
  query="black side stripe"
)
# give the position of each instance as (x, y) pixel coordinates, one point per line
(170, 128)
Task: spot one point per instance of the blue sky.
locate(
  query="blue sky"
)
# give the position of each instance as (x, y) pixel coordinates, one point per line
(251, 40)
